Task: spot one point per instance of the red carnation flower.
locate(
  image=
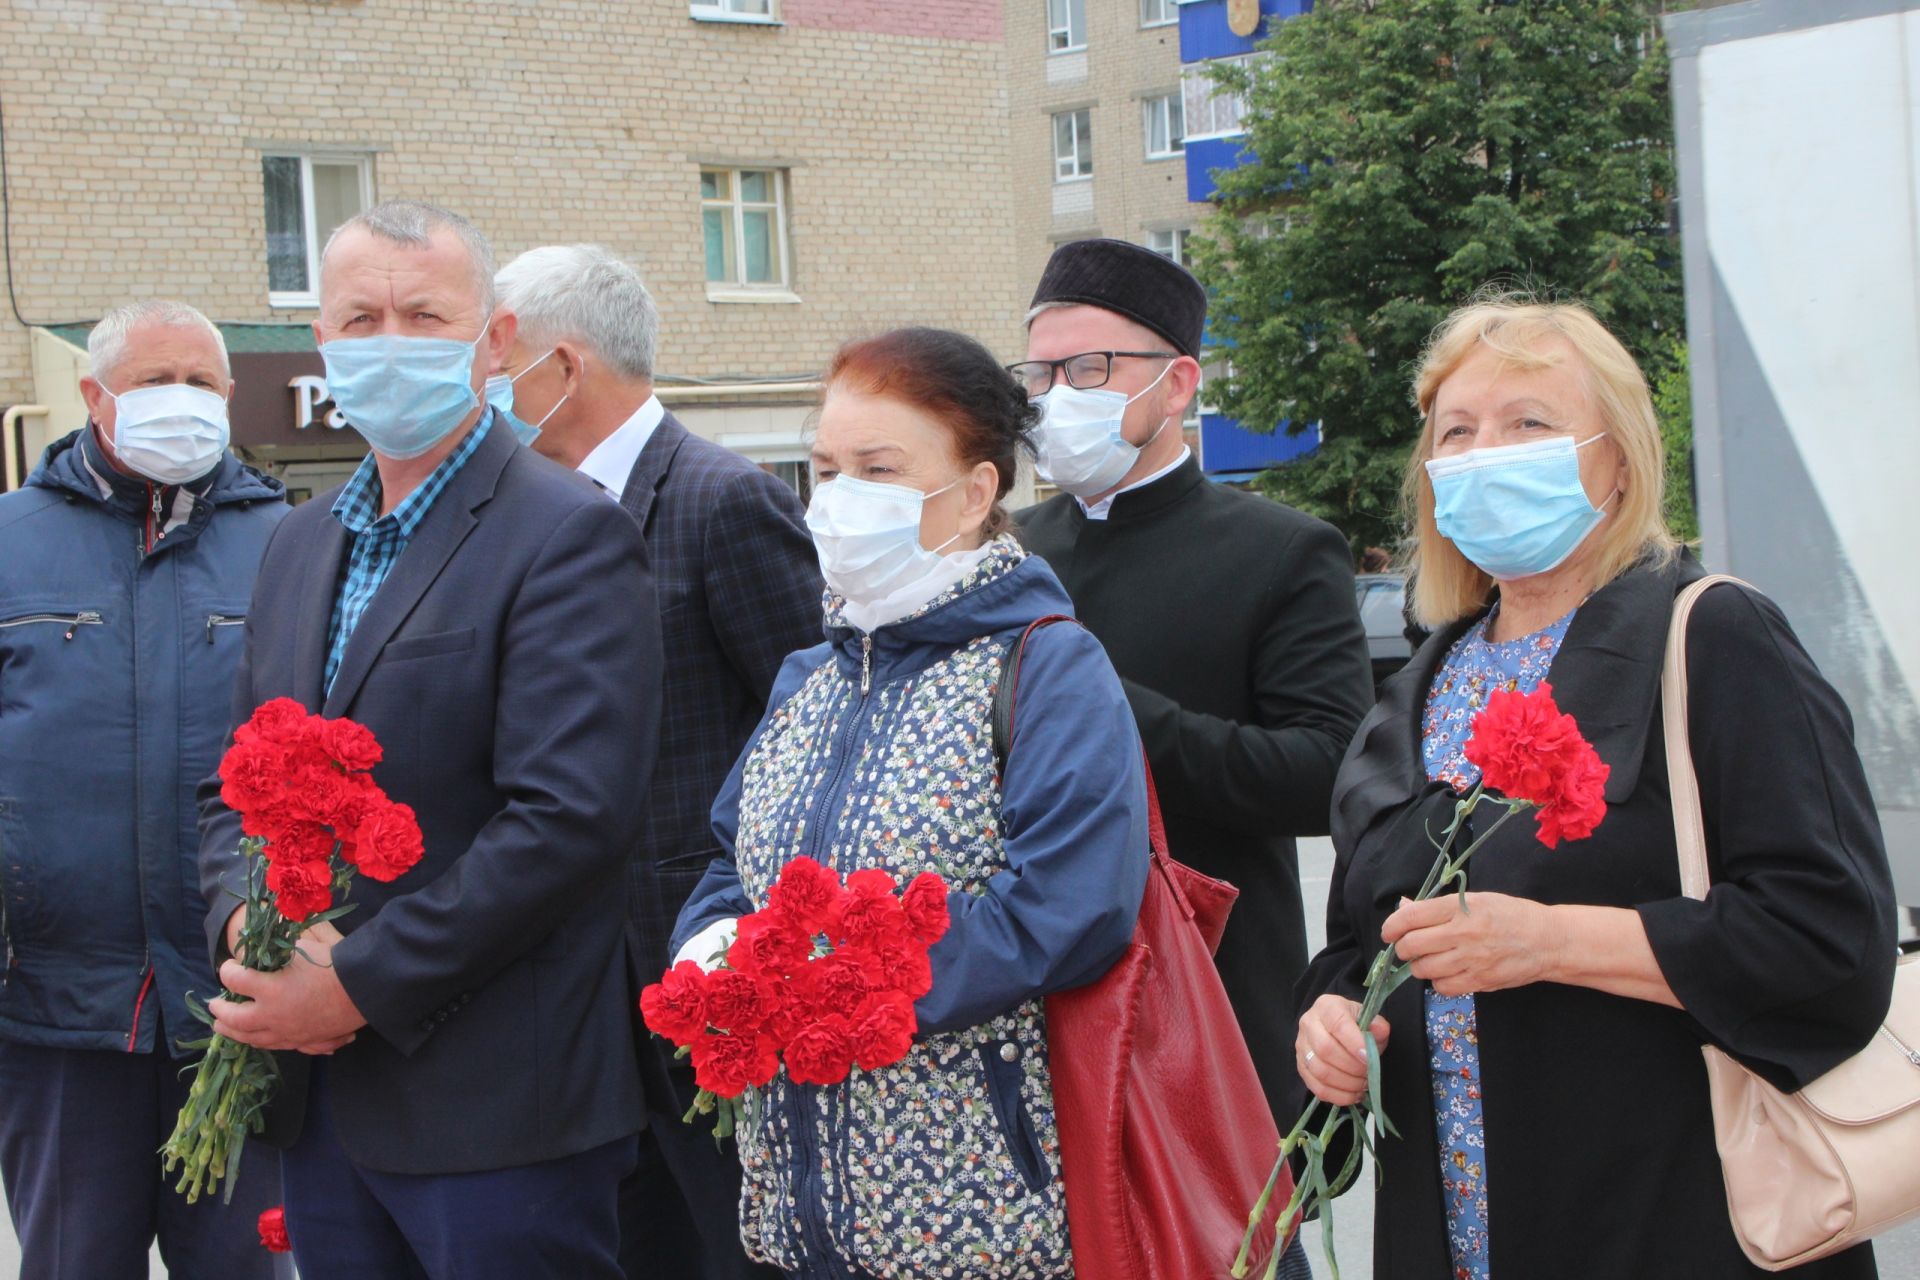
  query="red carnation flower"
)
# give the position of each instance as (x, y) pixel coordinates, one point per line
(273, 1231)
(252, 775)
(351, 746)
(729, 1065)
(300, 889)
(281, 720)
(883, 1030)
(676, 1006)
(321, 793)
(740, 1002)
(837, 983)
(901, 965)
(1579, 799)
(769, 943)
(387, 843)
(807, 892)
(925, 903)
(821, 1052)
(1523, 743)
(299, 841)
(869, 912)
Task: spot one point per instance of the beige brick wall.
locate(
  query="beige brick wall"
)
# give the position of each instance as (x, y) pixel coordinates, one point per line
(1125, 63)
(134, 133)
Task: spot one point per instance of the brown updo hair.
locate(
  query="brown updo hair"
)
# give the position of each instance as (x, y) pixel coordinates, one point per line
(955, 379)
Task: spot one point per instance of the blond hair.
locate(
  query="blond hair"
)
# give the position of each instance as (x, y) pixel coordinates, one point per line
(1525, 334)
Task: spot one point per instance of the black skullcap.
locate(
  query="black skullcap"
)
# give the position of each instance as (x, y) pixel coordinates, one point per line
(1131, 281)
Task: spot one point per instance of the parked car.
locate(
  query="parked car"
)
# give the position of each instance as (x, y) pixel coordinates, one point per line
(1382, 598)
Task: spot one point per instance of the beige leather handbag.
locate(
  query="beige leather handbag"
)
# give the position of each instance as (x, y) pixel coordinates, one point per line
(1814, 1172)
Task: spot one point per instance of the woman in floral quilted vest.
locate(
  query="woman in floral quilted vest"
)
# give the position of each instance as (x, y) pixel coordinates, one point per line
(876, 751)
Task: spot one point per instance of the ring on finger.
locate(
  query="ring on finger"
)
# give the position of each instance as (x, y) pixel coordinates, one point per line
(1308, 1060)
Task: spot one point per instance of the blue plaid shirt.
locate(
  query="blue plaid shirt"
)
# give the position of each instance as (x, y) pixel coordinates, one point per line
(376, 541)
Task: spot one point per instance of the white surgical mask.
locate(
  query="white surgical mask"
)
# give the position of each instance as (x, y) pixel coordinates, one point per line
(1078, 446)
(867, 536)
(170, 434)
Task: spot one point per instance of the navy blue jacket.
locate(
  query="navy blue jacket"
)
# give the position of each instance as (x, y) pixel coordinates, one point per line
(116, 680)
(518, 706)
(739, 590)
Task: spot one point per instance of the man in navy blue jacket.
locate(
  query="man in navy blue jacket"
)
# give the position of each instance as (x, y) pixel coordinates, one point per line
(739, 590)
(464, 1096)
(129, 558)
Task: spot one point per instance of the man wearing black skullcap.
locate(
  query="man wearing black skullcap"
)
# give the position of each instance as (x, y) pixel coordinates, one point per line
(1230, 618)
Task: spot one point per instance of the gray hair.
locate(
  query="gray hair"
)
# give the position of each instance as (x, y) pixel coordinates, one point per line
(412, 223)
(584, 294)
(107, 342)
(1055, 304)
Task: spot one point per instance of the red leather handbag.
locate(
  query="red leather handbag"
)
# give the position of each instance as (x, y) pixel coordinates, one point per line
(1165, 1136)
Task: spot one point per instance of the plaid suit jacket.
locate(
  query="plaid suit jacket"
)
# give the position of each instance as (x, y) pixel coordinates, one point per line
(739, 589)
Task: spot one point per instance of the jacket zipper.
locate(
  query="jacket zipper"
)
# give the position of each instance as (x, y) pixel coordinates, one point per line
(139, 805)
(813, 1232)
(6, 928)
(223, 620)
(74, 621)
(153, 521)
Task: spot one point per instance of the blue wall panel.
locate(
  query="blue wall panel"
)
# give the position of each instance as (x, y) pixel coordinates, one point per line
(1226, 446)
(1204, 32)
(1204, 155)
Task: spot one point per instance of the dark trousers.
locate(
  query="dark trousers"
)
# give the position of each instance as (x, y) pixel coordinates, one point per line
(557, 1219)
(680, 1211)
(80, 1130)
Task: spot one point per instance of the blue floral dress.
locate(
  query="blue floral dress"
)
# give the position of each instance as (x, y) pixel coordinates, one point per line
(1473, 668)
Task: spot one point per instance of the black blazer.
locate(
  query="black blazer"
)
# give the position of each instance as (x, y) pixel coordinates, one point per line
(1232, 622)
(510, 666)
(739, 590)
(1600, 1158)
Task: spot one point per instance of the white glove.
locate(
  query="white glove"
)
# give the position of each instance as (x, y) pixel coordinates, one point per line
(707, 946)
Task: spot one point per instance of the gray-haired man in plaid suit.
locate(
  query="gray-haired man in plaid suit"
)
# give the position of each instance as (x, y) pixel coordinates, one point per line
(739, 589)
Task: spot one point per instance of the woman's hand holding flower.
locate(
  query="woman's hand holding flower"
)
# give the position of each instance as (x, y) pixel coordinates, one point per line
(1330, 1051)
(1498, 942)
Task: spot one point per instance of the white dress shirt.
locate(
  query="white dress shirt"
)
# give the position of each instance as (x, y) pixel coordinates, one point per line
(611, 461)
(1099, 510)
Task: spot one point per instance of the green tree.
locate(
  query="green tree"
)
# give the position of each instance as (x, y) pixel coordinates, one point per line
(1673, 403)
(1405, 154)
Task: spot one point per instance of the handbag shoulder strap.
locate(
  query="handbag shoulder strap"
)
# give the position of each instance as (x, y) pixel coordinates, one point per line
(1689, 827)
(1006, 696)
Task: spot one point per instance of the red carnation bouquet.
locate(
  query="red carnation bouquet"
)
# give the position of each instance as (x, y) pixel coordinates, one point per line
(1531, 756)
(822, 980)
(313, 818)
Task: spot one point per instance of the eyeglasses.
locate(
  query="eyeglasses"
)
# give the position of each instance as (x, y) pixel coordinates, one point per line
(1084, 372)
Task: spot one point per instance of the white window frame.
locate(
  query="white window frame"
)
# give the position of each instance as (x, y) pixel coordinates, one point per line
(1165, 105)
(1082, 146)
(310, 296)
(1195, 77)
(730, 11)
(1176, 243)
(1170, 9)
(740, 290)
(1064, 29)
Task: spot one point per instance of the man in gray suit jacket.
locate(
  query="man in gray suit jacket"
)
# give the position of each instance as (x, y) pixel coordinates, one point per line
(477, 1112)
(739, 590)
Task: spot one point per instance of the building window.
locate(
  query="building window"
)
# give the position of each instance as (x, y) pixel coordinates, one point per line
(1158, 13)
(743, 217)
(1073, 145)
(735, 10)
(1171, 245)
(1210, 110)
(1166, 126)
(307, 196)
(1066, 25)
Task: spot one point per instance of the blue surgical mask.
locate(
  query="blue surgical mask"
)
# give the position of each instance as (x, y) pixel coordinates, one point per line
(403, 394)
(1514, 510)
(500, 396)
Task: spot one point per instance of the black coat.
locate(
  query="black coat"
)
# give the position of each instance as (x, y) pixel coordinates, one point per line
(1600, 1159)
(518, 709)
(1232, 622)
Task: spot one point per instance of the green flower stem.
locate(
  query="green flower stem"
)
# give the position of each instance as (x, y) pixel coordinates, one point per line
(1314, 1191)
